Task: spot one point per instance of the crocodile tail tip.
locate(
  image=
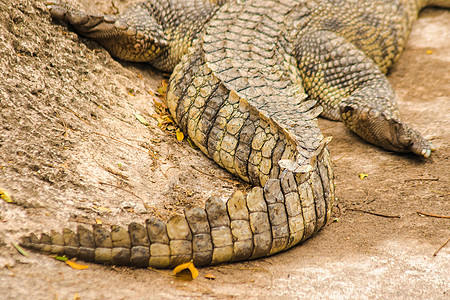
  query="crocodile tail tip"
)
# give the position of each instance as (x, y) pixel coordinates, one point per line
(31, 242)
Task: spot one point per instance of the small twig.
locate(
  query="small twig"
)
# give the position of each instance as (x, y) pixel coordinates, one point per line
(443, 245)
(113, 172)
(63, 124)
(114, 139)
(373, 213)
(442, 194)
(339, 206)
(172, 167)
(130, 192)
(215, 176)
(371, 201)
(422, 179)
(151, 151)
(163, 273)
(345, 154)
(77, 116)
(431, 215)
(367, 197)
(116, 10)
(20, 249)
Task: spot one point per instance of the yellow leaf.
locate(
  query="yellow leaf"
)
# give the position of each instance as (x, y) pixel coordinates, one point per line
(210, 276)
(5, 196)
(98, 221)
(159, 119)
(168, 118)
(76, 266)
(142, 119)
(161, 107)
(102, 209)
(362, 176)
(429, 52)
(186, 271)
(162, 89)
(180, 135)
(131, 92)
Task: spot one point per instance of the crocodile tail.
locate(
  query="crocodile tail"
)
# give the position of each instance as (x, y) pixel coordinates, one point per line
(267, 220)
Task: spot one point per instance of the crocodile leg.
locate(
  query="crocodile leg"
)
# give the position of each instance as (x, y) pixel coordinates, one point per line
(351, 88)
(156, 32)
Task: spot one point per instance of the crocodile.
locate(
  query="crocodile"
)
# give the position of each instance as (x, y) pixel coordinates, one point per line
(248, 81)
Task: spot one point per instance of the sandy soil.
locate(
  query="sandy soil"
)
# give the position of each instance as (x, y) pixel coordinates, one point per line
(72, 151)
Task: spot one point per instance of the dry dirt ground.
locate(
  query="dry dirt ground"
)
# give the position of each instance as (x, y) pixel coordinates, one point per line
(72, 151)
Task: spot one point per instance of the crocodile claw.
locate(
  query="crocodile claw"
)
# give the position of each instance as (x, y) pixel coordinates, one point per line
(417, 144)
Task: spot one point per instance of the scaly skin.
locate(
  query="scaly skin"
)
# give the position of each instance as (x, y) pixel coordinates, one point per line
(239, 90)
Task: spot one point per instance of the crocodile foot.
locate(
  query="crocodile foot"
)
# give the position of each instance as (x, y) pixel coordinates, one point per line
(384, 131)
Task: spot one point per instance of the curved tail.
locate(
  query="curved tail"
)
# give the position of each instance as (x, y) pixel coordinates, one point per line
(262, 222)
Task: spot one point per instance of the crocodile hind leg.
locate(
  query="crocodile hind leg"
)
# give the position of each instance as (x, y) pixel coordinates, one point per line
(351, 88)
